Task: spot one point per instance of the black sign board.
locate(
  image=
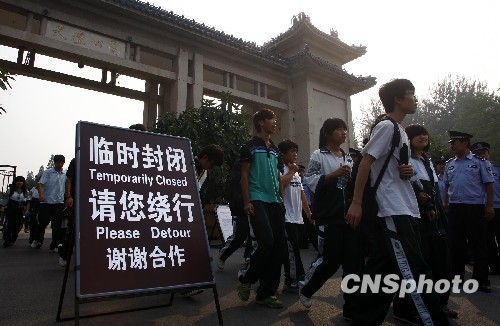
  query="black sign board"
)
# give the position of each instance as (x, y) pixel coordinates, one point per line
(140, 225)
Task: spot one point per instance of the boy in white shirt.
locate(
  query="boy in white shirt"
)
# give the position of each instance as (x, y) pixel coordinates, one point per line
(295, 201)
(396, 246)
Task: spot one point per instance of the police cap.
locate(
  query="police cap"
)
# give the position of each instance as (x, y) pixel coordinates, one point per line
(458, 135)
(480, 146)
(440, 159)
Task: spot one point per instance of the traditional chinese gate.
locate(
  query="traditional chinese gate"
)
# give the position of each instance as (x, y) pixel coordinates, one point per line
(139, 223)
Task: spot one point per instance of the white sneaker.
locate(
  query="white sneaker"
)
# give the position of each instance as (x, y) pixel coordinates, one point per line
(55, 250)
(62, 262)
(306, 302)
(36, 245)
(220, 264)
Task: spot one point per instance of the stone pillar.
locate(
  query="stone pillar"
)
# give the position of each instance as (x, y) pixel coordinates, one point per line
(178, 99)
(164, 104)
(195, 95)
(150, 106)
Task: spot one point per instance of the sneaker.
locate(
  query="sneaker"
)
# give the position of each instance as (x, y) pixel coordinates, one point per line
(36, 245)
(54, 250)
(62, 262)
(450, 313)
(220, 264)
(293, 288)
(270, 301)
(306, 302)
(244, 291)
(190, 293)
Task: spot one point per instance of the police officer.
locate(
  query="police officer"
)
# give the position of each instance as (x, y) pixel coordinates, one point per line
(482, 149)
(468, 181)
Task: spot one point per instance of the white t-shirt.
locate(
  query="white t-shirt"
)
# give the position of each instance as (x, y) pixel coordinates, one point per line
(395, 196)
(292, 198)
(323, 162)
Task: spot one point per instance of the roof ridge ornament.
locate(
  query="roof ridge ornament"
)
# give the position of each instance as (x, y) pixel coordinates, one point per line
(334, 33)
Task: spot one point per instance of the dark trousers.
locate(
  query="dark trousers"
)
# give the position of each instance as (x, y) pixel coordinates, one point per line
(52, 213)
(292, 262)
(436, 253)
(309, 233)
(241, 232)
(268, 228)
(493, 242)
(396, 250)
(11, 227)
(66, 246)
(338, 245)
(468, 222)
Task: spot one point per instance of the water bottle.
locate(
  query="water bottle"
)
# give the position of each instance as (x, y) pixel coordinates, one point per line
(342, 181)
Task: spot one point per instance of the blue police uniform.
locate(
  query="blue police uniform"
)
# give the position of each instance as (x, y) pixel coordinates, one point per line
(494, 225)
(466, 179)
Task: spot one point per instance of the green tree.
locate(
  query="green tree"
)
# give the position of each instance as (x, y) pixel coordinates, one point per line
(480, 116)
(214, 122)
(50, 163)
(438, 111)
(5, 78)
(364, 122)
(30, 180)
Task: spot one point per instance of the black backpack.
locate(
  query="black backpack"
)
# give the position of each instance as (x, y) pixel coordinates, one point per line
(369, 204)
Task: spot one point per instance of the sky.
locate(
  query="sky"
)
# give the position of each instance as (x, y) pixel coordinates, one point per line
(423, 41)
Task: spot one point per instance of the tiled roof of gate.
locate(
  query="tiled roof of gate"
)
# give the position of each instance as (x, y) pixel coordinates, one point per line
(180, 21)
(303, 19)
(306, 54)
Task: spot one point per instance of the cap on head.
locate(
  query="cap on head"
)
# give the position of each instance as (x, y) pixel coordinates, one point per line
(439, 160)
(480, 146)
(458, 135)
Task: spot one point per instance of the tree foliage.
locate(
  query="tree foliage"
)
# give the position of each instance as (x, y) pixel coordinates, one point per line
(50, 163)
(438, 112)
(368, 115)
(5, 78)
(454, 103)
(214, 122)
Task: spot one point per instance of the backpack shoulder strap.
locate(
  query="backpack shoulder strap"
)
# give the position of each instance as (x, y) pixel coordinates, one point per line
(396, 138)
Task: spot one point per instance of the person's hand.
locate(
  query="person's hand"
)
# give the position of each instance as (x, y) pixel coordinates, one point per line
(490, 213)
(68, 202)
(423, 197)
(249, 209)
(293, 167)
(445, 207)
(309, 217)
(431, 215)
(41, 197)
(344, 170)
(354, 215)
(405, 171)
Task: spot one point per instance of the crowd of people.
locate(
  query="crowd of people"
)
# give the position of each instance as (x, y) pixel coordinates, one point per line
(386, 209)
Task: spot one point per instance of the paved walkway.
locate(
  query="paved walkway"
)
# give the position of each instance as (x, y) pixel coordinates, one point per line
(31, 279)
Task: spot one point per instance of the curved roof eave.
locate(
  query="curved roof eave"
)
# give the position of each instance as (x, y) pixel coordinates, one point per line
(306, 57)
(300, 21)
